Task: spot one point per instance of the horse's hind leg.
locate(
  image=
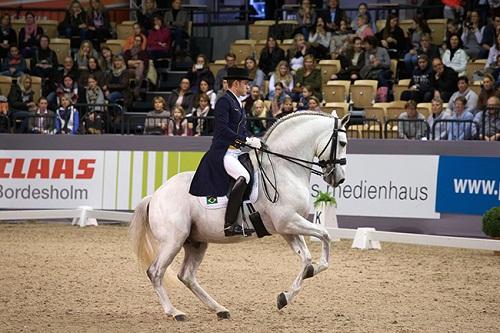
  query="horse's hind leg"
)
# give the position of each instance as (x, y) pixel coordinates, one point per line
(193, 256)
(299, 246)
(167, 252)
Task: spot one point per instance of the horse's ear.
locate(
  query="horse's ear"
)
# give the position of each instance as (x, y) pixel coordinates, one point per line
(345, 119)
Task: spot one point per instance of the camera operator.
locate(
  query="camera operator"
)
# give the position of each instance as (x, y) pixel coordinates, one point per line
(472, 36)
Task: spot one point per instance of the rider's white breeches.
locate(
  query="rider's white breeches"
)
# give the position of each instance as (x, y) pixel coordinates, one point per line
(233, 167)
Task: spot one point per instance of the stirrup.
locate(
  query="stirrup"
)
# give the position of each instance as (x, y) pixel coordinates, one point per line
(237, 230)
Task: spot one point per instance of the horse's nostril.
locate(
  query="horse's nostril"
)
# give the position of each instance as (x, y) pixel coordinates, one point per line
(341, 181)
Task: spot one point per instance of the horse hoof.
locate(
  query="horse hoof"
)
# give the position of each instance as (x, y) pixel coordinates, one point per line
(180, 317)
(223, 315)
(281, 301)
(309, 272)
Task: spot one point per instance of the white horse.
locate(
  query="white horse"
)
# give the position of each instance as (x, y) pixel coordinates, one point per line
(172, 218)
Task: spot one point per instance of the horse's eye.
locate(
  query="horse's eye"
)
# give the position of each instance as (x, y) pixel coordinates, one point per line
(343, 143)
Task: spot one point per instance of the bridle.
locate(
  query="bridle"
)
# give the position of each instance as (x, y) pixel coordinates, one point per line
(329, 165)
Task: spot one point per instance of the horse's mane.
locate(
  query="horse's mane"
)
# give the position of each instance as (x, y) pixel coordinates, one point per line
(294, 115)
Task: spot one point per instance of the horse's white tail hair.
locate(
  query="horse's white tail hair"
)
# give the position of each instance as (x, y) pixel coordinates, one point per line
(144, 244)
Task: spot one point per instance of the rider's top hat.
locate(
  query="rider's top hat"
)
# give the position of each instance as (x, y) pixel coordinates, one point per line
(236, 73)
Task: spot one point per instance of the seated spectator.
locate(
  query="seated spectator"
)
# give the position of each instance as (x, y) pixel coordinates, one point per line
(377, 63)
(107, 59)
(205, 88)
(455, 56)
(29, 36)
(4, 114)
(255, 125)
(251, 98)
(8, 36)
(362, 10)
(364, 30)
(254, 72)
(333, 15)
(201, 125)
(472, 36)
(157, 120)
(159, 40)
(278, 98)
(281, 74)
(340, 42)
(68, 69)
(487, 90)
(286, 108)
(490, 33)
(493, 54)
(94, 69)
(222, 73)
(93, 96)
(200, 71)
(44, 120)
(464, 91)
(296, 53)
(21, 99)
(130, 41)
(356, 60)
(178, 20)
(414, 127)
(461, 130)
(314, 104)
(44, 63)
(14, 64)
(490, 124)
(440, 131)
(68, 87)
(320, 38)
(306, 17)
(417, 30)
(75, 21)
(137, 61)
(146, 15)
(303, 103)
(392, 37)
(182, 96)
(67, 117)
(443, 80)
(424, 47)
(98, 23)
(221, 92)
(452, 28)
(178, 125)
(118, 82)
(343, 72)
(270, 56)
(308, 75)
(421, 89)
(82, 57)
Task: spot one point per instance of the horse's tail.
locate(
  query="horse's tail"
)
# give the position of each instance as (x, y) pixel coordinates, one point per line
(143, 242)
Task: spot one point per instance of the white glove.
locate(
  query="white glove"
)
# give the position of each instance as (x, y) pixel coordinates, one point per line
(254, 142)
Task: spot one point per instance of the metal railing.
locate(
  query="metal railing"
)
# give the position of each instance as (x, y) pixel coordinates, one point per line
(455, 129)
(412, 129)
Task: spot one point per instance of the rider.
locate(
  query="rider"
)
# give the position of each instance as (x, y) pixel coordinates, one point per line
(221, 160)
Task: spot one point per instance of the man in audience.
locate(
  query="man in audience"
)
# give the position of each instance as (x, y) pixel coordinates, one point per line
(489, 125)
(443, 80)
(464, 91)
(440, 132)
(412, 125)
(334, 15)
(230, 62)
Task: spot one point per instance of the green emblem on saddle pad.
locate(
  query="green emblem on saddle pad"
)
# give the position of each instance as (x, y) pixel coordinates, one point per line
(211, 200)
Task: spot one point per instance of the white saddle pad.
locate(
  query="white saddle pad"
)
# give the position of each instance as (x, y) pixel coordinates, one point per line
(221, 202)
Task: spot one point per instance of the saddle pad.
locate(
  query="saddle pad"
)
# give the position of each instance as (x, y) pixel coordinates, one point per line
(221, 202)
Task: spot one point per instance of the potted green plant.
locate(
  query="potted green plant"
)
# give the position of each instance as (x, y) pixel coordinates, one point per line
(325, 207)
(491, 224)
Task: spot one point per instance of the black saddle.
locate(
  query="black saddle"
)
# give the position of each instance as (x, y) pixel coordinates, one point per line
(247, 163)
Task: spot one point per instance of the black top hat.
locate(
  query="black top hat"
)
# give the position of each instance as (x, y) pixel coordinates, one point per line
(236, 73)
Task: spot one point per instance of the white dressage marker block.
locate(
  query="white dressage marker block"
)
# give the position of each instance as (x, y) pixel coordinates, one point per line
(362, 240)
(326, 215)
(84, 220)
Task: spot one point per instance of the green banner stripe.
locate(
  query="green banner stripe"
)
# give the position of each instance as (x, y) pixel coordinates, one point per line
(131, 180)
(145, 160)
(190, 161)
(117, 178)
(173, 161)
(158, 169)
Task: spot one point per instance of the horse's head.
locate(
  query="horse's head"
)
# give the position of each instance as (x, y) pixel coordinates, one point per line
(332, 152)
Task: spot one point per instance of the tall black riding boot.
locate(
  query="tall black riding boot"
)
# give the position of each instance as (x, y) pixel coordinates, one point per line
(231, 226)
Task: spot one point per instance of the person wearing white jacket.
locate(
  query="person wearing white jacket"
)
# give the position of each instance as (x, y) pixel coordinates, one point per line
(455, 56)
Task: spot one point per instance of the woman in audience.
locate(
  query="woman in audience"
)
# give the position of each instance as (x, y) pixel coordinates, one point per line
(159, 40)
(177, 19)
(472, 36)
(341, 38)
(14, 64)
(377, 63)
(487, 90)
(414, 127)
(455, 56)
(461, 130)
(392, 37)
(29, 36)
(424, 47)
(156, 122)
(205, 88)
(320, 38)
(281, 74)
(182, 96)
(306, 16)
(8, 36)
(303, 103)
(440, 131)
(118, 82)
(178, 125)
(270, 56)
(107, 59)
(201, 125)
(75, 21)
(254, 72)
(200, 71)
(417, 29)
(94, 69)
(44, 121)
(313, 103)
(145, 16)
(493, 53)
(137, 61)
(356, 60)
(257, 127)
(298, 51)
(362, 10)
(308, 75)
(130, 41)
(67, 117)
(21, 97)
(82, 57)
(421, 89)
(68, 87)
(93, 97)
(44, 63)
(278, 98)
(286, 108)
(98, 24)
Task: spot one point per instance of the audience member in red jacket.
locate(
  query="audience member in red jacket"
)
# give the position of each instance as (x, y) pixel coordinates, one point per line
(159, 40)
